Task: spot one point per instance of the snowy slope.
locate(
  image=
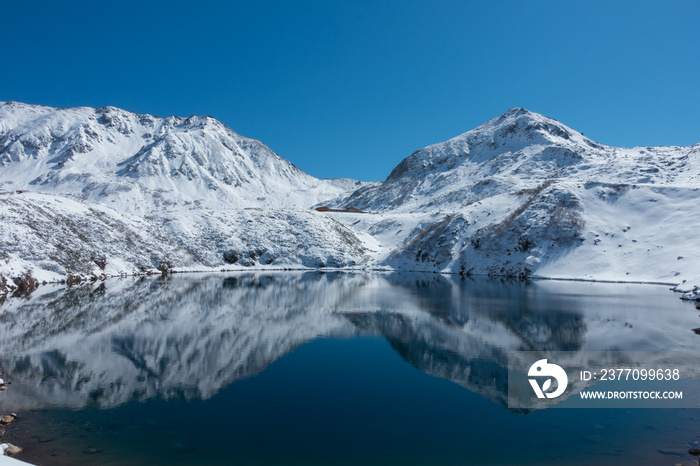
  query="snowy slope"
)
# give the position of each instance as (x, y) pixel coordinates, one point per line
(94, 192)
(518, 150)
(54, 237)
(141, 163)
(524, 195)
(109, 191)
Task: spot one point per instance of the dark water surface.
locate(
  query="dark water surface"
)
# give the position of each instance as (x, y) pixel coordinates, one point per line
(334, 368)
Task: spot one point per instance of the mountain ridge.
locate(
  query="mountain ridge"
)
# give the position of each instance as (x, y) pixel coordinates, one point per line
(109, 154)
(521, 195)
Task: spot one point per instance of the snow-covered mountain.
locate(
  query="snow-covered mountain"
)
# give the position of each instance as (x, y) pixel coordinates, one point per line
(93, 192)
(141, 163)
(517, 150)
(525, 195)
(105, 191)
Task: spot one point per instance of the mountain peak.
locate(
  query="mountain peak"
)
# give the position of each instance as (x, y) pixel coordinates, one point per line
(515, 111)
(141, 162)
(519, 124)
(513, 132)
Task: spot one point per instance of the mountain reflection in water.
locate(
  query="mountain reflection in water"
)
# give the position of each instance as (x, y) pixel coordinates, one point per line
(190, 336)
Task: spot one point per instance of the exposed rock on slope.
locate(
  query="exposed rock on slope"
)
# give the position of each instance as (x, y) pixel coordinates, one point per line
(54, 237)
(140, 163)
(522, 195)
(525, 195)
(89, 192)
(517, 150)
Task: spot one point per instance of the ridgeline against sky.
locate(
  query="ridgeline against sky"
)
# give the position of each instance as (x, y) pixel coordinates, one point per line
(351, 88)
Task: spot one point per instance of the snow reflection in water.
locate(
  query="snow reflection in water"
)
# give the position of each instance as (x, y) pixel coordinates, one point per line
(190, 337)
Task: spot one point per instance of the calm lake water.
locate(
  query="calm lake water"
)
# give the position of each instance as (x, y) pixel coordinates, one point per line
(326, 368)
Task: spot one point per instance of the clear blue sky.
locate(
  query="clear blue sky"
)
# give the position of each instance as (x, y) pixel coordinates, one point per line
(350, 88)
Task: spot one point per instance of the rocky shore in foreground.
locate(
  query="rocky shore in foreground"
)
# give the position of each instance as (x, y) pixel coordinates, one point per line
(7, 449)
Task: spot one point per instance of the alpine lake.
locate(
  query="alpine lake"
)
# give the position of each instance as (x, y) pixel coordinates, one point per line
(287, 368)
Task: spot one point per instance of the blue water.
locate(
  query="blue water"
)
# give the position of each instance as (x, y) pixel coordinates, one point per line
(401, 369)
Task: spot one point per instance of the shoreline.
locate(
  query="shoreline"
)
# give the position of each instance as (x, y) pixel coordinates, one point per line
(9, 291)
